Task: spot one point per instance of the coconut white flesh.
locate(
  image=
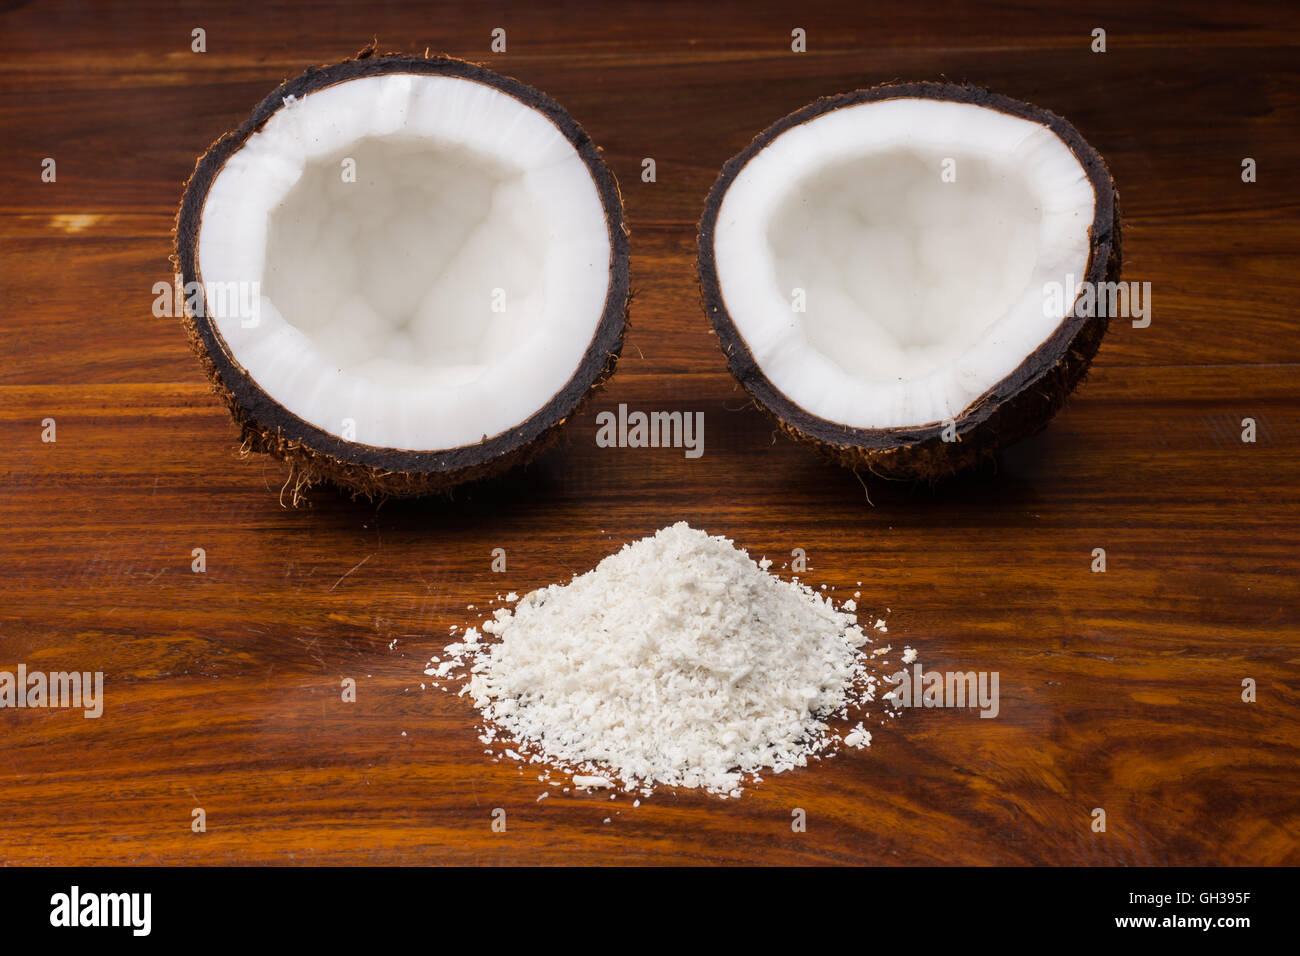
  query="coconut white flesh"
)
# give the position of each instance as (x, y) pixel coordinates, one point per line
(444, 296)
(918, 294)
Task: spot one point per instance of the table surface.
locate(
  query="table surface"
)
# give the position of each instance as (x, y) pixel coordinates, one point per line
(1120, 690)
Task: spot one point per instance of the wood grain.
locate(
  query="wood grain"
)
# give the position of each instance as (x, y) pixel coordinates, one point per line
(1119, 690)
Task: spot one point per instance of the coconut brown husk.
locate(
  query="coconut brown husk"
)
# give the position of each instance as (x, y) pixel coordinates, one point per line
(1016, 407)
(314, 455)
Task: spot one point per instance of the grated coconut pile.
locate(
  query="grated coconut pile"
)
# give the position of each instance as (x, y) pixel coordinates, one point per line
(677, 661)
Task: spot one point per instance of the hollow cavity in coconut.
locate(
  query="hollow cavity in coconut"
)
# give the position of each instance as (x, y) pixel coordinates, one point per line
(414, 271)
(879, 268)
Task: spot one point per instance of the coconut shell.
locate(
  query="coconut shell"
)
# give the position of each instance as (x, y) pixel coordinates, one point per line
(1017, 406)
(316, 456)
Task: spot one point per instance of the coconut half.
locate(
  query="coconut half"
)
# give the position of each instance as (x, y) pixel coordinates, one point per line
(878, 267)
(412, 271)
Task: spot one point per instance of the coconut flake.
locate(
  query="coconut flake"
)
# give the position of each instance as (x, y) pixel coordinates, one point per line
(677, 661)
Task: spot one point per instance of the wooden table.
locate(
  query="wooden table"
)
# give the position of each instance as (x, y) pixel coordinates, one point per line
(1119, 690)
